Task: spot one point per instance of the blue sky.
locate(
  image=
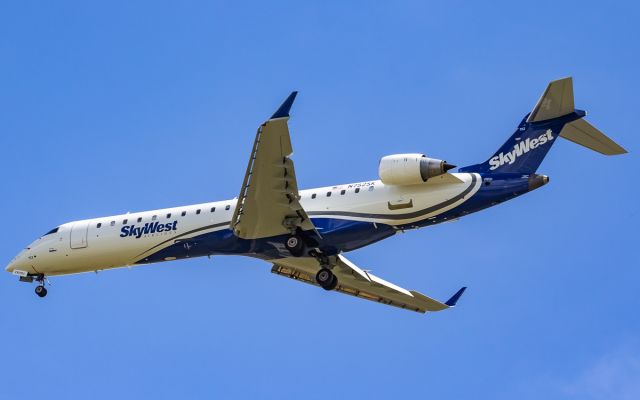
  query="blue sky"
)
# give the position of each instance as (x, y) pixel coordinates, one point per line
(109, 107)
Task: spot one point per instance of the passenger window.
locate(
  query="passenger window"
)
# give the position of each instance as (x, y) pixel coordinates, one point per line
(140, 219)
(113, 223)
(184, 213)
(168, 215)
(213, 209)
(313, 196)
(328, 194)
(343, 191)
(155, 217)
(125, 222)
(198, 211)
(227, 207)
(371, 188)
(99, 225)
(357, 190)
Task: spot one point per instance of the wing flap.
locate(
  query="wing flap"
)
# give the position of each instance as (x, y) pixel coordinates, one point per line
(354, 281)
(352, 291)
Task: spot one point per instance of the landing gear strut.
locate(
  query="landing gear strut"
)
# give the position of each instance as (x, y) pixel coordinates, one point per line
(326, 279)
(295, 245)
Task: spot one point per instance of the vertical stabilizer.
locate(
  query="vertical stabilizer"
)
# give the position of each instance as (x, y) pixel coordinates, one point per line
(553, 116)
(556, 101)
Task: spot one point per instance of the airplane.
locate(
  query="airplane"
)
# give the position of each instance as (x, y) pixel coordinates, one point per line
(305, 234)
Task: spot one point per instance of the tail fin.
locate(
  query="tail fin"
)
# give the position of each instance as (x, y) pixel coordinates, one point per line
(556, 101)
(554, 115)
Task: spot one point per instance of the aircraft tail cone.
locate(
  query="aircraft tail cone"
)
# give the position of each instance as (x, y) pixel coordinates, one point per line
(535, 181)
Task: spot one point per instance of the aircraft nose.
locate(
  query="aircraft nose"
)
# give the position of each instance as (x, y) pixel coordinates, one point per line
(20, 262)
(14, 264)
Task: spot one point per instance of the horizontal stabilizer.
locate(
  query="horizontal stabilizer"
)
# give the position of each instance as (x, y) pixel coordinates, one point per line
(556, 101)
(587, 135)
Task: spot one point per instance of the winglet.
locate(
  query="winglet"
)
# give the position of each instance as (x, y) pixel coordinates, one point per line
(454, 299)
(284, 109)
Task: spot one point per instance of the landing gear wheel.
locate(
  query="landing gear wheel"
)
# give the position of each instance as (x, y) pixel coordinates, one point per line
(326, 279)
(334, 284)
(41, 291)
(295, 245)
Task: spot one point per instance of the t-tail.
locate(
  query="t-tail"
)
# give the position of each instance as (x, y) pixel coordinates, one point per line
(553, 116)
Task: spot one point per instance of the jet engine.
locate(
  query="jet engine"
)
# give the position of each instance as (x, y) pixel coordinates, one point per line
(410, 169)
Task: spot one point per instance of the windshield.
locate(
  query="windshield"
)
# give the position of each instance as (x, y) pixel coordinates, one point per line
(54, 230)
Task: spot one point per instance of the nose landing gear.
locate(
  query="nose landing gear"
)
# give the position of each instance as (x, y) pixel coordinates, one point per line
(41, 291)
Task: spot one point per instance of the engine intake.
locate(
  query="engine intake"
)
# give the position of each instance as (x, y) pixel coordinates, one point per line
(410, 169)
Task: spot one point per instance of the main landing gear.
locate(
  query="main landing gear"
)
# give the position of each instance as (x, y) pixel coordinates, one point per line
(326, 279)
(295, 245)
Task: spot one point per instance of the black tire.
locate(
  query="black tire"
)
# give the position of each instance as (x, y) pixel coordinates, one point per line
(333, 285)
(41, 291)
(326, 279)
(295, 245)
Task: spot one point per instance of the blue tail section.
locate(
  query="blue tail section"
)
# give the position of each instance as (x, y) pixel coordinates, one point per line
(527, 147)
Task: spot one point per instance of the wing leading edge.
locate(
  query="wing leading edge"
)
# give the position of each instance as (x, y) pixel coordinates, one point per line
(360, 283)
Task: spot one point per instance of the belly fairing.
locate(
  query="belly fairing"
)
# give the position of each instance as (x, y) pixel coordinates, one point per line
(337, 235)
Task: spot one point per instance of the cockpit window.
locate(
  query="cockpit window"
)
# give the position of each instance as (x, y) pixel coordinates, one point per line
(54, 230)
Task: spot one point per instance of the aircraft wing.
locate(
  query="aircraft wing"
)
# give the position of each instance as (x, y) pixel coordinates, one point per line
(268, 204)
(360, 283)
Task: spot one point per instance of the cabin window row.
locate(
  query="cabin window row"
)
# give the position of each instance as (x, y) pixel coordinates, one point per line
(155, 217)
(342, 192)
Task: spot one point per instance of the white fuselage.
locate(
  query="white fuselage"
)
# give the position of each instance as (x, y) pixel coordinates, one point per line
(120, 240)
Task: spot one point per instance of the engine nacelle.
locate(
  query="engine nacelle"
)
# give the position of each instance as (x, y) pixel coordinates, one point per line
(410, 169)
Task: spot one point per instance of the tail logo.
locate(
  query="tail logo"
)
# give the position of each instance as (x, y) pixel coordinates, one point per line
(520, 148)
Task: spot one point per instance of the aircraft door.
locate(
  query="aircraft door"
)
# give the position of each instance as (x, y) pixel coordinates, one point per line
(79, 233)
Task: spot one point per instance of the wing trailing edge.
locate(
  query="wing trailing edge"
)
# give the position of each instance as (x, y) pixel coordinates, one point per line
(357, 282)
